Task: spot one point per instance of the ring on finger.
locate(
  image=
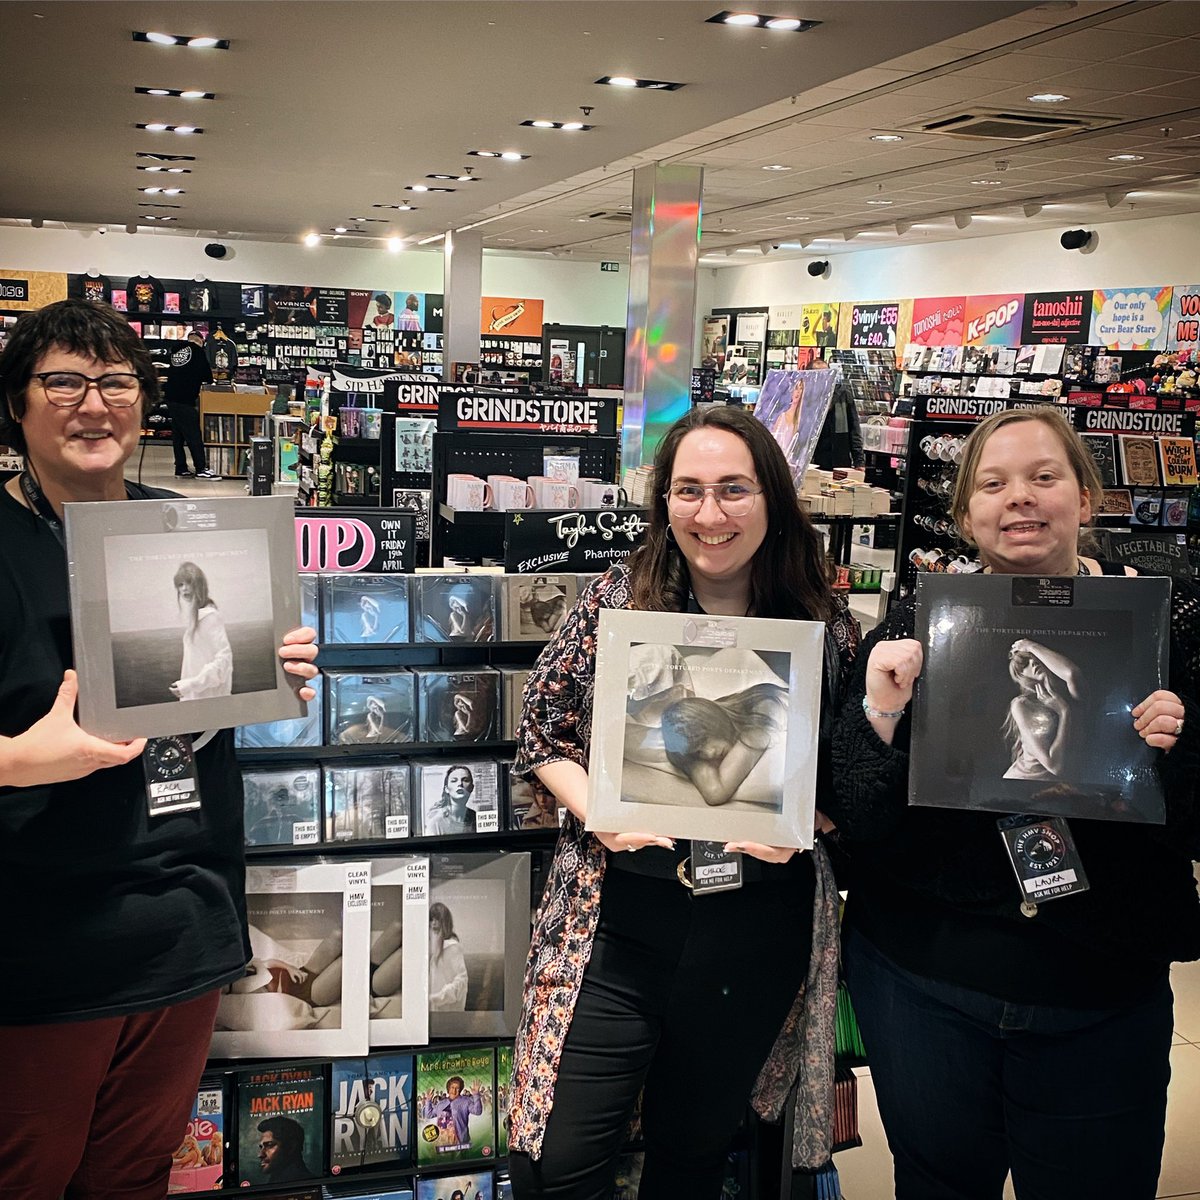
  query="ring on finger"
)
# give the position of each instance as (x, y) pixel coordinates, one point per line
(633, 849)
(1178, 728)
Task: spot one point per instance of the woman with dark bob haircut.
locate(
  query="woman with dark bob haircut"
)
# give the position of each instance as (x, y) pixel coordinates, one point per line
(632, 985)
(129, 923)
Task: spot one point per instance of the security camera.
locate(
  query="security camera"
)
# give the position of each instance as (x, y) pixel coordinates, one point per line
(819, 268)
(103, 229)
(1075, 239)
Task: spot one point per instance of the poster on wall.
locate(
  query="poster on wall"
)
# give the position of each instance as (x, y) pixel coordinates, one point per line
(713, 342)
(1056, 317)
(752, 327)
(785, 316)
(435, 312)
(1183, 329)
(938, 321)
(27, 290)
(994, 320)
(874, 325)
(1130, 318)
(254, 299)
(291, 304)
(510, 316)
(818, 325)
(409, 308)
(333, 307)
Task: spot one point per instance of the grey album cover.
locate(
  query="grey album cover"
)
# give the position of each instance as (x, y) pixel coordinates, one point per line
(399, 983)
(282, 805)
(364, 609)
(478, 942)
(454, 608)
(1023, 703)
(367, 802)
(719, 737)
(307, 730)
(457, 796)
(532, 607)
(457, 705)
(305, 990)
(512, 691)
(177, 610)
(371, 709)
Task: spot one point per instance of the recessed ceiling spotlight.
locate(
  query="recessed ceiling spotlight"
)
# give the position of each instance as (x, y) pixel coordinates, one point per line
(339, 229)
(159, 127)
(150, 191)
(582, 220)
(175, 39)
(457, 178)
(760, 21)
(776, 167)
(1126, 158)
(395, 244)
(420, 187)
(1047, 98)
(886, 137)
(365, 220)
(795, 218)
(396, 207)
(566, 126)
(628, 81)
(506, 155)
(539, 231)
(165, 157)
(312, 239)
(506, 241)
(986, 182)
(512, 156)
(881, 202)
(145, 91)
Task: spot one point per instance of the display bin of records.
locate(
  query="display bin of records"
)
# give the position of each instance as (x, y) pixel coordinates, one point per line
(457, 704)
(371, 708)
(454, 608)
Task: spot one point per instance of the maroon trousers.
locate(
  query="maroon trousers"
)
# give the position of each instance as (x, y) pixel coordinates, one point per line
(93, 1110)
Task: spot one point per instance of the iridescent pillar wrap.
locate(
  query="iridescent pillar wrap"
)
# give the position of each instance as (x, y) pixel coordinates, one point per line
(664, 248)
(463, 288)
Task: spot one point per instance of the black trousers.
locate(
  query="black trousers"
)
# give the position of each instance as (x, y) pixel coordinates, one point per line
(185, 428)
(684, 996)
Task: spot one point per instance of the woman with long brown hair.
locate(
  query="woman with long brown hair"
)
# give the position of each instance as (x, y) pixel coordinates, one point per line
(633, 986)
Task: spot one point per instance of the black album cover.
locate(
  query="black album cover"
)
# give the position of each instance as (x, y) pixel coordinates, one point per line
(363, 609)
(416, 501)
(371, 709)
(454, 608)
(282, 805)
(532, 607)
(367, 802)
(1023, 704)
(282, 1124)
(457, 706)
(457, 796)
(372, 1100)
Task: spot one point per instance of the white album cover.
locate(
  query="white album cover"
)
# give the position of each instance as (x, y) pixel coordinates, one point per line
(399, 985)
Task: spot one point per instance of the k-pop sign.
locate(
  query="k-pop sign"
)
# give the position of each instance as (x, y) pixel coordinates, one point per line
(349, 540)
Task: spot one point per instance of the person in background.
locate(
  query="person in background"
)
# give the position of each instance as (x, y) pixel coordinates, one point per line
(126, 925)
(632, 982)
(187, 373)
(1004, 1036)
(839, 443)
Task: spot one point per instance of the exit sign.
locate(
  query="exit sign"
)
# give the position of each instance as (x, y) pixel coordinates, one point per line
(610, 266)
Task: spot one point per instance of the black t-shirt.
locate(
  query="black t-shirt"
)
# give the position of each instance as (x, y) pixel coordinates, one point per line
(198, 298)
(109, 911)
(144, 294)
(187, 372)
(97, 288)
(222, 356)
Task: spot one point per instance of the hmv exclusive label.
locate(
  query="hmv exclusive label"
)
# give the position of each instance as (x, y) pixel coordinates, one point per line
(463, 411)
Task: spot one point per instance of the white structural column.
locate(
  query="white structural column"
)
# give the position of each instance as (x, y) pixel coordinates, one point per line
(463, 290)
(664, 249)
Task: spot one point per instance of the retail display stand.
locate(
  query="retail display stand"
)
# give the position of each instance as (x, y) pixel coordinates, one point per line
(228, 422)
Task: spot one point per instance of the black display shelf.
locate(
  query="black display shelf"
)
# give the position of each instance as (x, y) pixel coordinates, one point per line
(503, 839)
(365, 750)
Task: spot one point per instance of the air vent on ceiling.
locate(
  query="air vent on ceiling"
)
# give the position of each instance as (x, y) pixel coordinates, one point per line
(604, 215)
(1009, 127)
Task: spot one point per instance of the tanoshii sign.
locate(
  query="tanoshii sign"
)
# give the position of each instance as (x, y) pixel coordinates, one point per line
(467, 409)
(350, 540)
(938, 321)
(578, 540)
(1056, 317)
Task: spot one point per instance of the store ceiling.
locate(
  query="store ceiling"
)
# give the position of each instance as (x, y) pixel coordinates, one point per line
(325, 110)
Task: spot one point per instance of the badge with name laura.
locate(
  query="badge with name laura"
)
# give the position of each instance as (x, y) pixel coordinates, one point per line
(170, 768)
(713, 869)
(1044, 857)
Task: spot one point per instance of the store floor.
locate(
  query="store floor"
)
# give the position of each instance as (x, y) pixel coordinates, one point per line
(866, 1172)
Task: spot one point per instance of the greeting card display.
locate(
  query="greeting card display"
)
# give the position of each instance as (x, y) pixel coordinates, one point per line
(372, 1103)
(399, 952)
(367, 801)
(719, 740)
(532, 607)
(456, 1105)
(371, 709)
(282, 805)
(305, 990)
(457, 796)
(307, 730)
(456, 705)
(177, 609)
(365, 609)
(282, 1125)
(454, 608)
(1024, 699)
(478, 943)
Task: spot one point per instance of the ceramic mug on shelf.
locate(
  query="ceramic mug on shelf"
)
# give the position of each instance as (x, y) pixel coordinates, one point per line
(510, 493)
(553, 493)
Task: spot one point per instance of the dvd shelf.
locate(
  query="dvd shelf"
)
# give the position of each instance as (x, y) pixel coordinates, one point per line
(234, 418)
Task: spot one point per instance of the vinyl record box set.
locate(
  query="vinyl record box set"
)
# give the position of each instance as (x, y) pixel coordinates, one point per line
(435, 1116)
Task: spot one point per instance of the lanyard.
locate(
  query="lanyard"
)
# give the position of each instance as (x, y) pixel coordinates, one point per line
(42, 507)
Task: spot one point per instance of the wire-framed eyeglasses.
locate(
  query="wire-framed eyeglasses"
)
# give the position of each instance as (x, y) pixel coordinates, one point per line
(66, 389)
(735, 497)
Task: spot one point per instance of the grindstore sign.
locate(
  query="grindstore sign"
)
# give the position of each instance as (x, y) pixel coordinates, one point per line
(463, 411)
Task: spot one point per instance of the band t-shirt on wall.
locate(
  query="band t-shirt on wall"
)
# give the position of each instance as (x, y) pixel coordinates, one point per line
(222, 357)
(198, 298)
(97, 288)
(144, 294)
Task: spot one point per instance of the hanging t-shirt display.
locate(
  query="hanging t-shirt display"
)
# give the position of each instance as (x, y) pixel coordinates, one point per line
(222, 357)
(144, 294)
(199, 298)
(97, 288)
